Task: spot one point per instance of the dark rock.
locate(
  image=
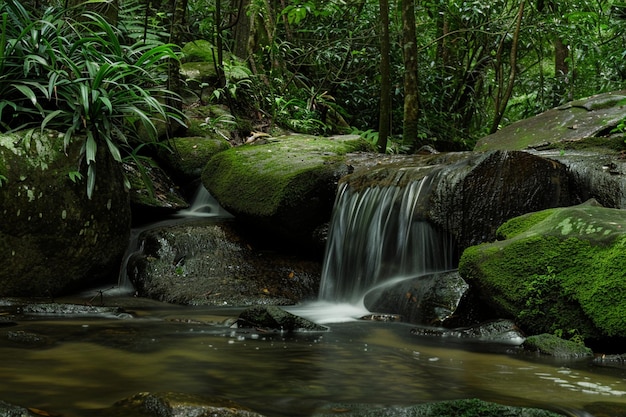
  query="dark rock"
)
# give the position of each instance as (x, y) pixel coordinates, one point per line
(10, 410)
(470, 194)
(206, 262)
(53, 238)
(62, 309)
(428, 299)
(276, 319)
(495, 331)
(29, 339)
(171, 404)
(469, 407)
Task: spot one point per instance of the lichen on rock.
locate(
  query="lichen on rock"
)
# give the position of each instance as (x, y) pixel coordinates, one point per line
(557, 270)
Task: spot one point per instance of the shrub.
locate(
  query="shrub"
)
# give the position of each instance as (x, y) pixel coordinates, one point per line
(76, 76)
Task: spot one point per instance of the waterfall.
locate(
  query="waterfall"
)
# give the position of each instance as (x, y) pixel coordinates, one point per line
(377, 236)
(203, 204)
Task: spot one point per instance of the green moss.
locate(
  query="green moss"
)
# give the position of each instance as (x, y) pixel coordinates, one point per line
(199, 51)
(522, 223)
(552, 345)
(555, 274)
(255, 178)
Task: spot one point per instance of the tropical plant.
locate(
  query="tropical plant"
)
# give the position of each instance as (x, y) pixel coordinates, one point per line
(76, 76)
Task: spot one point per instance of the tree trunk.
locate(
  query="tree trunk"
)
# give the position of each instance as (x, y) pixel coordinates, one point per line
(504, 92)
(561, 70)
(384, 123)
(411, 88)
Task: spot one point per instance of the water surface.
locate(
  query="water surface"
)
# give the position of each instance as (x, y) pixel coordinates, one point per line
(92, 363)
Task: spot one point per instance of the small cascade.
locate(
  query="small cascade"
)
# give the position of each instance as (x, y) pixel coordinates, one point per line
(203, 204)
(377, 237)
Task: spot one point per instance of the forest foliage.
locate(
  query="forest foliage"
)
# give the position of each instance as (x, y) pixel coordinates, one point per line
(453, 70)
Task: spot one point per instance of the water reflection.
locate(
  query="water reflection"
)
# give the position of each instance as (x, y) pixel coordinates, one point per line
(93, 363)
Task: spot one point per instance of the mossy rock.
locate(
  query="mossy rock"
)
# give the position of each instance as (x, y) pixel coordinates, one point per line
(549, 344)
(286, 186)
(561, 269)
(453, 408)
(190, 155)
(53, 238)
(563, 127)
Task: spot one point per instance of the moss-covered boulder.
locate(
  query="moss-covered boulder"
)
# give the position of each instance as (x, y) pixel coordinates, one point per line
(190, 155)
(559, 269)
(562, 127)
(549, 344)
(285, 187)
(52, 237)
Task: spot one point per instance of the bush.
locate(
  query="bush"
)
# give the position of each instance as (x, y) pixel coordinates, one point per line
(76, 76)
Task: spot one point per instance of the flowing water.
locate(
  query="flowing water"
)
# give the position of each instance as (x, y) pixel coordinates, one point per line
(81, 364)
(92, 363)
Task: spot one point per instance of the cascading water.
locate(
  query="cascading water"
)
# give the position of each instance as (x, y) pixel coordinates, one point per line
(377, 237)
(203, 204)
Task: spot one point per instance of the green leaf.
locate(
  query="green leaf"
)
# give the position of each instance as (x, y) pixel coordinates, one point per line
(28, 93)
(91, 179)
(90, 148)
(114, 150)
(75, 176)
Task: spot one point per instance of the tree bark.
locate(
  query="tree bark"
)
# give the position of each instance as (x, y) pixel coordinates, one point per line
(384, 122)
(504, 93)
(411, 87)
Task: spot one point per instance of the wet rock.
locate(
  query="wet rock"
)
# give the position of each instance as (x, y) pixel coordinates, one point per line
(382, 317)
(274, 318)
(284, 189)
(61, 309)
(207, 262)
(470, 194)
(612, 361)
(549, 344)
(10, 410)
(468, 407)
(29, 339)
(172, 404)
(556, 270)
(53, 238)
(497, 331)
(560, 127)
(428, 299)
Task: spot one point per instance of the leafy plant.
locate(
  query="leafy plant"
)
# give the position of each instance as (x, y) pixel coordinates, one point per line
(76, 76)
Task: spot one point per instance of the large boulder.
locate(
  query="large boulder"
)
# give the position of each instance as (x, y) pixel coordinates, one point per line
(470, 194)
(556, 270)
(285, 187)
(52, 237)
(562, 127)
(205, 262)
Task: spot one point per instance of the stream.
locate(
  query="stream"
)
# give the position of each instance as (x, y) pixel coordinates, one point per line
(71, 365)
(81, 364)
